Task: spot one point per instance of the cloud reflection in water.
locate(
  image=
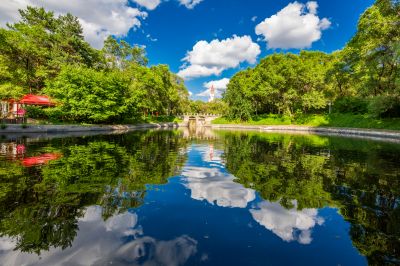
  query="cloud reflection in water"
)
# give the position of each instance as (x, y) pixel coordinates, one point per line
(216, 186)
(289, 225)
(119, 241)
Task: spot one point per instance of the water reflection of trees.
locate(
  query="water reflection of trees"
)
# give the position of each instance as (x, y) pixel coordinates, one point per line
(360, 178)
(40, 206)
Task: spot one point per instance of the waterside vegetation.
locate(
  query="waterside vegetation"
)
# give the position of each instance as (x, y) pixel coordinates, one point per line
(358, 86)
(47, 54)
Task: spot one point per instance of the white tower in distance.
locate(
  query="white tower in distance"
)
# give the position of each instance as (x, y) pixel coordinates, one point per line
(212, 94)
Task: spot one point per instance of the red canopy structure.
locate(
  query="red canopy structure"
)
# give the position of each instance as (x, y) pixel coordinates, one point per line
(41, 159)
(31, 99)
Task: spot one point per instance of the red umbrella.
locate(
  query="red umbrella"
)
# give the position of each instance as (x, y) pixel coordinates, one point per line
(31, 99)
(41, 159)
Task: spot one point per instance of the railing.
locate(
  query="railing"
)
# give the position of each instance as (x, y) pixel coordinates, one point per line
(17, 120)
(197, 115)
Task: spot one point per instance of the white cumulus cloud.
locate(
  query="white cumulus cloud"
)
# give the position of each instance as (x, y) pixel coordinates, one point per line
(99, 18)
(149, 4)
(190, 3)
(195, 71)
(219, 86)
(212, 58)
(295, 26)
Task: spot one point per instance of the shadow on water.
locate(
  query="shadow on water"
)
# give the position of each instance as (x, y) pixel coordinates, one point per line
(100, 184)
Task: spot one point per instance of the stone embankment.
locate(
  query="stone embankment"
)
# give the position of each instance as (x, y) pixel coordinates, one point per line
(359, 132)
(100, 129)
(78, 128)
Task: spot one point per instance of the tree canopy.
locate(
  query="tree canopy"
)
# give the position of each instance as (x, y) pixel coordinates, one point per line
(44, 53)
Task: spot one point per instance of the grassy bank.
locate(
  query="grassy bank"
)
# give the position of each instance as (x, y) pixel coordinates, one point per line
(333, 120)
(159, 119)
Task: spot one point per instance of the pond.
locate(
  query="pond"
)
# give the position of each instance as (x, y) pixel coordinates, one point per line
(199, 198)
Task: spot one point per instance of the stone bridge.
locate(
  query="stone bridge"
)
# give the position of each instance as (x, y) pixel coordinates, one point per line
(198, 120)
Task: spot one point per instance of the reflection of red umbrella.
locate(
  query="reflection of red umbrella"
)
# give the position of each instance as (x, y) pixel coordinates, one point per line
(21, 149)
(41, 159)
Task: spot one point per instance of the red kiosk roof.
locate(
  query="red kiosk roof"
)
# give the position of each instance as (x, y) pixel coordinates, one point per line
(36, 100)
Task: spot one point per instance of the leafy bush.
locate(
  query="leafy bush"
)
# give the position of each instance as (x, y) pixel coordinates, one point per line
(354, 105)
(54, 114)
(87, 95)
(384, 106)
(35, 112)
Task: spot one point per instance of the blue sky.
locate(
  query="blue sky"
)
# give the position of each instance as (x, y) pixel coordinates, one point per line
(177, 29)
(170, 29)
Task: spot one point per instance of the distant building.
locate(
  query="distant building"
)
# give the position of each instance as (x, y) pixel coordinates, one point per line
(212, 94)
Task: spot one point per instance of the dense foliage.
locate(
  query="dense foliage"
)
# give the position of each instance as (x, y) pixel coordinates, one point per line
(43, 53)
(364, 77)
(217, 107)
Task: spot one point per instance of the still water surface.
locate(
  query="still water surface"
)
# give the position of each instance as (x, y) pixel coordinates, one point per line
(211, 198)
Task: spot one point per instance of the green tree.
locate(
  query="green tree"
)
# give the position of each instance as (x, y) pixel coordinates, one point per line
(87, 95)
(156, 89)
(281, 83)
(35, 48)
(373, 53)
(121, 54)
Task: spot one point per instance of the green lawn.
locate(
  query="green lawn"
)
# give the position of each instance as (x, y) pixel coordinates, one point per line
(154, 119)
(333, 120)
(163, 119)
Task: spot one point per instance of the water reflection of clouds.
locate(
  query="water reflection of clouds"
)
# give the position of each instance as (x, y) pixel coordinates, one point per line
(216, 186)
(289, 225)
(119, 241)
(212, 183)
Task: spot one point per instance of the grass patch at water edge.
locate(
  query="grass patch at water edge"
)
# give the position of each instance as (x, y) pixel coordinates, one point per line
(320, 120)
